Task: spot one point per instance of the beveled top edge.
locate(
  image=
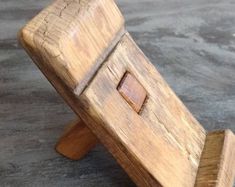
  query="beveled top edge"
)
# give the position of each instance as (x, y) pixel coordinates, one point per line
(69, 24)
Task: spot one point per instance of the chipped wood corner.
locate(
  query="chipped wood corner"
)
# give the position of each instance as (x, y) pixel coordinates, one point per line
(121, 100)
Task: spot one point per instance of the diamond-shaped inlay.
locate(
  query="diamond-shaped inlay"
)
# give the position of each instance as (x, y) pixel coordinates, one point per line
(132, 91)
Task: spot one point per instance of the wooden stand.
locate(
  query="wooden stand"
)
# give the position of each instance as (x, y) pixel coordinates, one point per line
(83, 49)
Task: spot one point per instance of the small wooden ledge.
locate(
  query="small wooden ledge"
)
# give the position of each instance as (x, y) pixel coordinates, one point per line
(217, 165)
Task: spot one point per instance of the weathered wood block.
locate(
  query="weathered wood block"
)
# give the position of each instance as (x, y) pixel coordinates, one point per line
(84, 50)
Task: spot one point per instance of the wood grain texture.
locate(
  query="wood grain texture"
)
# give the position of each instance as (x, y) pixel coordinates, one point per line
(164, 142)
(184, 53)
(132, 91)
(76, 141)
(73, 37)
(217, 165)
(56, 40)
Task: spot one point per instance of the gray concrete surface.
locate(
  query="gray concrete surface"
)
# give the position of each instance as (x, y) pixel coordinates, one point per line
(192, 44)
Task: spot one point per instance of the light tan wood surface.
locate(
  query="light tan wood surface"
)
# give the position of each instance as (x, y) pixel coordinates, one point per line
(74, 37)
(85, 52)
(163, 142)
(217, 165)
(45, 38)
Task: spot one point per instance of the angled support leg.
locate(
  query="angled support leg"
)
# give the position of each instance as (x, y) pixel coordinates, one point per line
(76, 141)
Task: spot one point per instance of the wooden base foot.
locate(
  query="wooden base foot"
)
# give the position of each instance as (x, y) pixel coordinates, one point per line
(217, 165)
(76, 141)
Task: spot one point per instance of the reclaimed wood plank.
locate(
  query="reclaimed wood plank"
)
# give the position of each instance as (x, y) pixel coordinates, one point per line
(163, 141)
(73, 38)
(47, 34)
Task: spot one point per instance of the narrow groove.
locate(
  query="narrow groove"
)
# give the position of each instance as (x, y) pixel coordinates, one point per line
(79, 89)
